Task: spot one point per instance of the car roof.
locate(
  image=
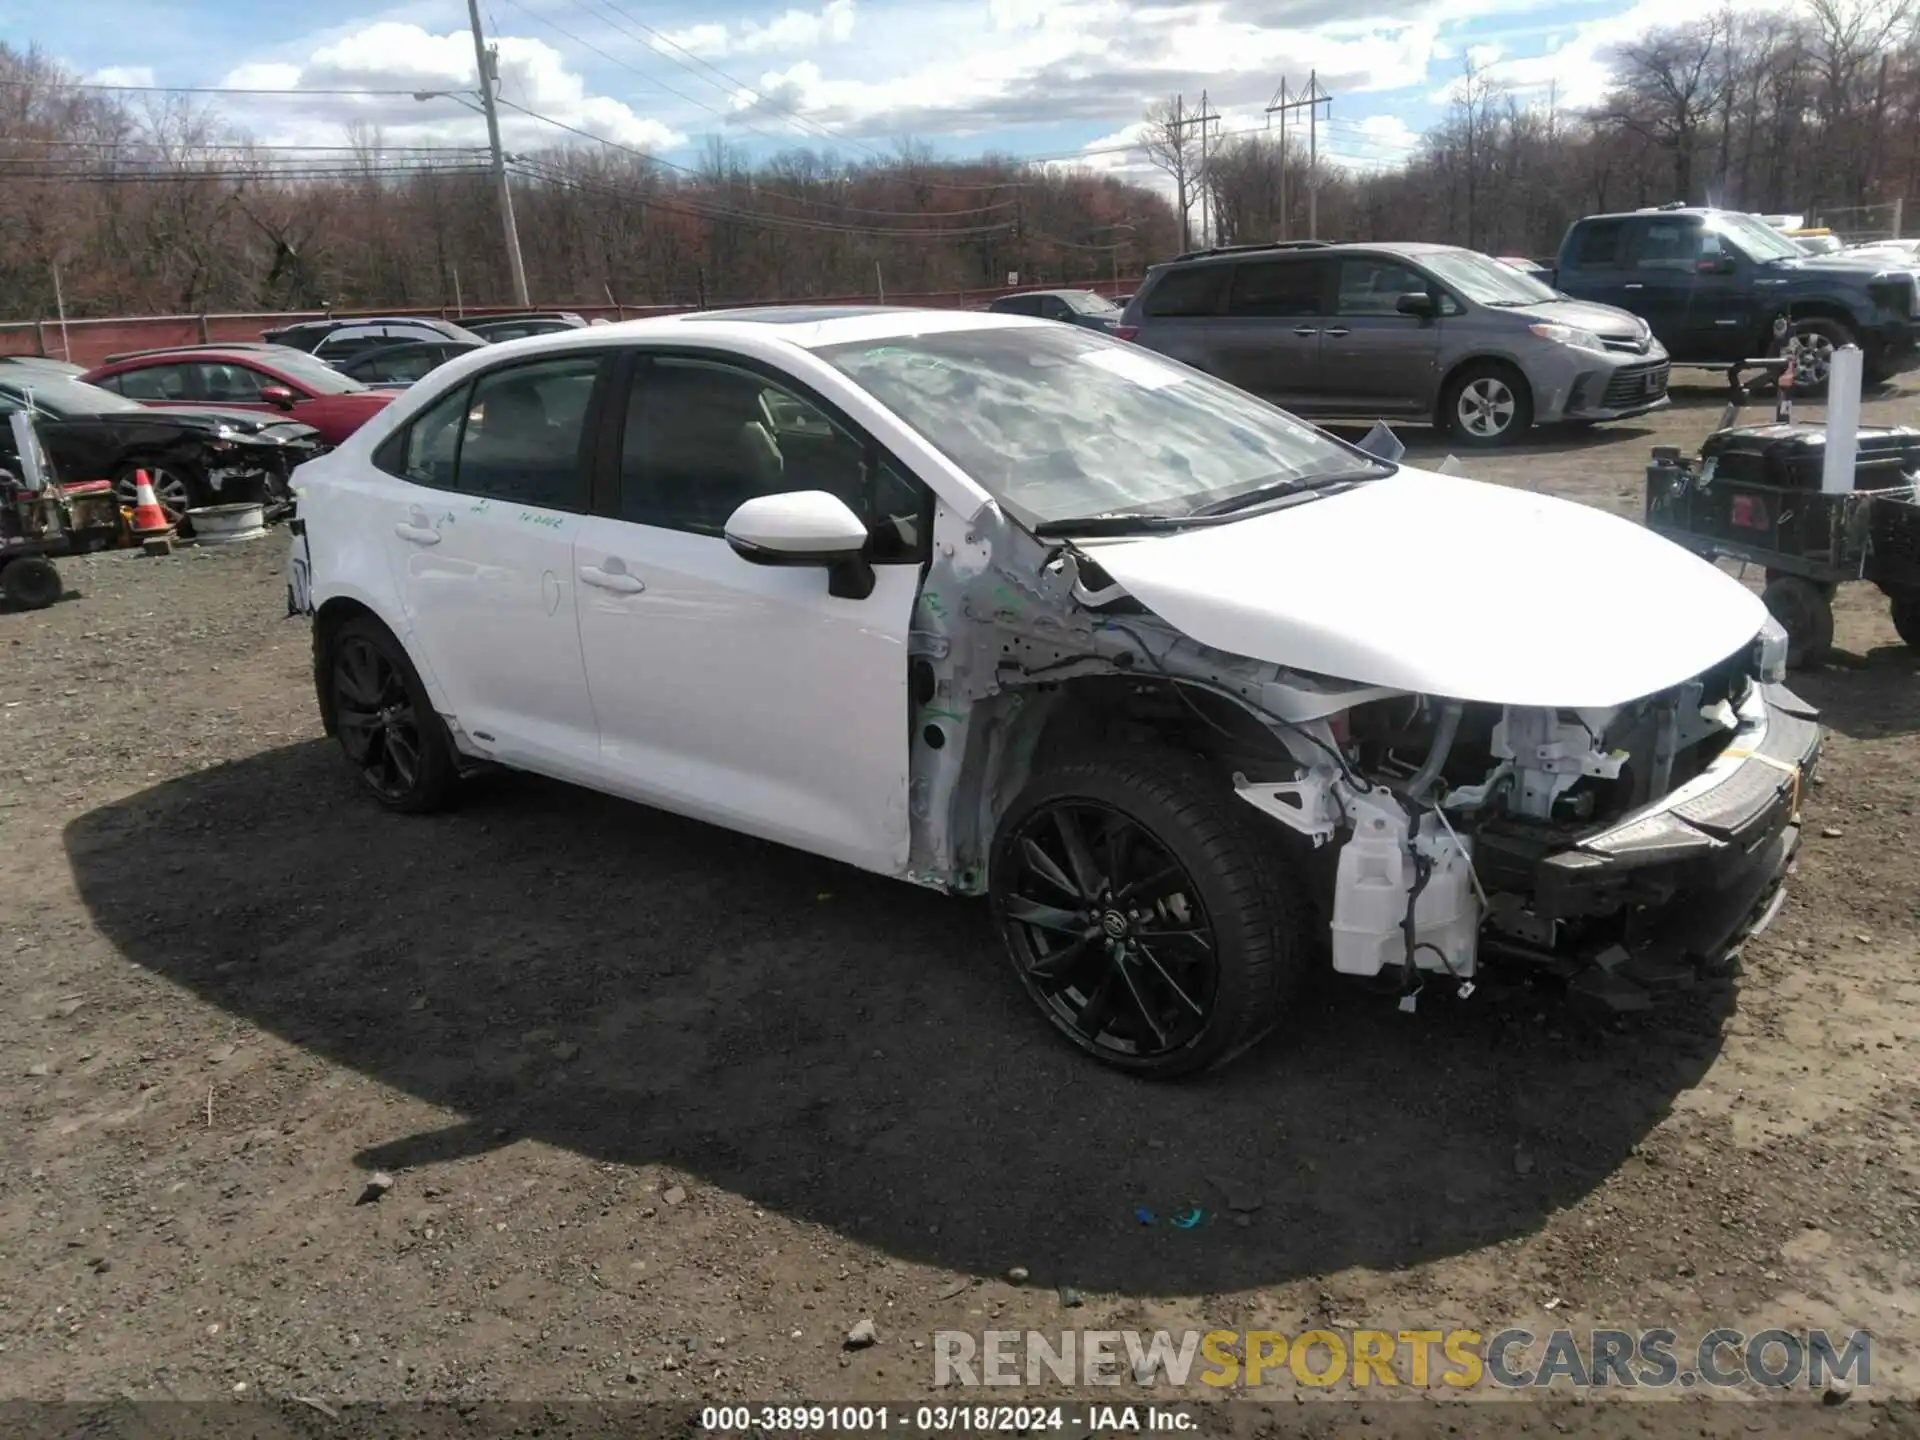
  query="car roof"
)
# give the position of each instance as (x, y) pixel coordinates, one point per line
(1407, 249)
(240, 354)
(805, 327)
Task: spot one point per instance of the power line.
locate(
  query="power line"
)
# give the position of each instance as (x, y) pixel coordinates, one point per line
(777, 194)
(703, 209)
(187, 89)
(665, 39)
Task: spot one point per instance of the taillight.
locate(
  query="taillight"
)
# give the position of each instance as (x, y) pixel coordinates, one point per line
(1125, 332)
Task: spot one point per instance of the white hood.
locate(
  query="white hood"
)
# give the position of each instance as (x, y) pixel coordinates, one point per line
(1448, 587)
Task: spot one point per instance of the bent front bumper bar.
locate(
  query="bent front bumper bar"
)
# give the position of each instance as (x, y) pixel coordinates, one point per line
(1702, 870)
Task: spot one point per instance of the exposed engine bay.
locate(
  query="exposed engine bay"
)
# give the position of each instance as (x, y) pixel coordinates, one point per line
(1448, 830)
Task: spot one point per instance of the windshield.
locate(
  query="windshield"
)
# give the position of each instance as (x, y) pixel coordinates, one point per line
(1484, 280)
(1061, 423)
(1088, 303)
(61, 397)
(315, 375)
(1757, 241)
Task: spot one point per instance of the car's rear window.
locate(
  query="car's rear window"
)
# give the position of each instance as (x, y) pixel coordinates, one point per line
(1192, 291)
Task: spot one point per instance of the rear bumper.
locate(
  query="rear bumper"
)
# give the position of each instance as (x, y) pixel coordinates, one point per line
(1694, 876)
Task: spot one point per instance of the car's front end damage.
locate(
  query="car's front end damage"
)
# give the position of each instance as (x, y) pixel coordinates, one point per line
(1622, 844)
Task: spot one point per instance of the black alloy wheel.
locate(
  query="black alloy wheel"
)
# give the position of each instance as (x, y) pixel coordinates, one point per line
(385, 723)
(1114, 937)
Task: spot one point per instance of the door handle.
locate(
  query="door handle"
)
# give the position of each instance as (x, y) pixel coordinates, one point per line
(417, 534)
(1339, 332)
(1633, 285)
(1305, 330)
(618, 581)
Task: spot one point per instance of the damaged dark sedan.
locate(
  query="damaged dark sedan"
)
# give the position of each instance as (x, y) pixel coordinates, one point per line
(194, 457)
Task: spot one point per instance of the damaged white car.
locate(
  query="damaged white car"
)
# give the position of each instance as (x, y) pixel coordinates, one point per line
(1199, 696)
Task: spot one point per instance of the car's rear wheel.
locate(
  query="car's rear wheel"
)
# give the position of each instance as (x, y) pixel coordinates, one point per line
(385, 722)
(1143, 912)
(1805, 613)
(1487, 404)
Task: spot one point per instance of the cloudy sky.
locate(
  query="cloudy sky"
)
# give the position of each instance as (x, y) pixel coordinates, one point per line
(1037, 78)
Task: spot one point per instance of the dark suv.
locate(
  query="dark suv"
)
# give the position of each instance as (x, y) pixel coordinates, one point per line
(1718, 286)
(1399, 331)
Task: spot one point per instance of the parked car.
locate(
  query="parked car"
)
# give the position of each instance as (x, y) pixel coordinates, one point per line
(39, 363)
(1816, 242)
(243, 379)
(404, 363)
(517, 327)
(194, 457)
(1719, 287)
(1183, 685)
(353, 340)
(1901, 251)
(1400, 331)
(337, 338)
(1072, 307)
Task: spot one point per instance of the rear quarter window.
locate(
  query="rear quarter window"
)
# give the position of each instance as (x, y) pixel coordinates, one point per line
(1195, 290)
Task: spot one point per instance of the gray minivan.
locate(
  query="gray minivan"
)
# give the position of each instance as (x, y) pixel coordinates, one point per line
(1399, 331)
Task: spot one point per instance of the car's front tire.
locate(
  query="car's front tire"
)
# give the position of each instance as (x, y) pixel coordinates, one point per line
(1487, 404)
(385, 721)
(1812, 342)
(1144, 913)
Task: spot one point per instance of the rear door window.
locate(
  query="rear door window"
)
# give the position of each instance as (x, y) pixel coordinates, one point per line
(157, 382)
(1195, 290)
(1279, 287)
(1598, 246)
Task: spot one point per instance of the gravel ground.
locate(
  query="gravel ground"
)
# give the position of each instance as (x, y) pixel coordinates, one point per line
(666, 1111)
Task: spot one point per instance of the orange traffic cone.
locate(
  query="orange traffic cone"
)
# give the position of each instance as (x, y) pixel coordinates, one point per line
(150, 525)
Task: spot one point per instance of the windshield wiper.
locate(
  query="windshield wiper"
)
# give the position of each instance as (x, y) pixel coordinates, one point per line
(1114, 522)
(1288, 490)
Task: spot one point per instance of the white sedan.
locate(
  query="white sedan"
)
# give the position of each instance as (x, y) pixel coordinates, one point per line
(1198, 695)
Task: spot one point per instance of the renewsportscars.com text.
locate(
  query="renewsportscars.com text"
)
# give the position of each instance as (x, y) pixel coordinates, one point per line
(1371, 1359)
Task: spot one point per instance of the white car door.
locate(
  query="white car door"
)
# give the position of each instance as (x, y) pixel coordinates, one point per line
(739, 693)
(491, 492)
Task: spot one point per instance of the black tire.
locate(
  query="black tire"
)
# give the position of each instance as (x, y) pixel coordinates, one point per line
(31, 582)
(1486, 404)
(1814, 340)
(385, 722)
(1240, 974)
(1906, 617)
(1805, 612)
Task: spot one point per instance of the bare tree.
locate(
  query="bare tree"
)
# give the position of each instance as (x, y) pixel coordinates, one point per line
(1173, 145)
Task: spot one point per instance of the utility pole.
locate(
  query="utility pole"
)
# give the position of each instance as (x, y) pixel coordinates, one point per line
(1208, 228)
(1310, 99)
(1181, 120)
(489, 62)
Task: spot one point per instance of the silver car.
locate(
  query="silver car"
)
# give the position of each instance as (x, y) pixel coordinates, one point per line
(1399, 331)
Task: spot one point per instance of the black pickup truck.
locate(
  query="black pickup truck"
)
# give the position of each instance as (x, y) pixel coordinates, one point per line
(1718, 286)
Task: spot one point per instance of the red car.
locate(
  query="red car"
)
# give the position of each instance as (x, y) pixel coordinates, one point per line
(247, 378)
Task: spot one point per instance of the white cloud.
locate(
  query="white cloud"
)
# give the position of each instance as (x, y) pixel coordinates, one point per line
(122, 75)
(787, 33)
(1576, 67)
(389, 56)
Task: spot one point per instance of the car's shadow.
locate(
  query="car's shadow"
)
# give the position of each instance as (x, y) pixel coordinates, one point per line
(845, 1049)
(1866, 697)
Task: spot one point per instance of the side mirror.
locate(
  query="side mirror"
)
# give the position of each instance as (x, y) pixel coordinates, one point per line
(805, 527)
(1417, 303)
(277, 396)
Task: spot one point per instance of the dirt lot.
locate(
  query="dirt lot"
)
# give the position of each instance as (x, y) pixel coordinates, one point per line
(667, 1111)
